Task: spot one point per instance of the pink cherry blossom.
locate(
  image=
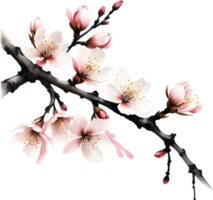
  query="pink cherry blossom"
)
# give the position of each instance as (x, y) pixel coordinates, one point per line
(59, 124)
(88, 138)
(129, 95)
(182, 97)
(80, 20)
(88, 67)
(50, 49)
(33, 137)
(35, 25)
(160, 154)
(102, 40)
(119, 148)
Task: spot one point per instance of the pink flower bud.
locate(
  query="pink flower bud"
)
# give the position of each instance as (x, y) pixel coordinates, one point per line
(160, 154)
(107, 22)
(35, 25)
(104, 114)
(117, 5)
(65, 107)
(101, 40)
(182, 97)
(165, 181)
(101, 11)
(80, 19)
(100, 113)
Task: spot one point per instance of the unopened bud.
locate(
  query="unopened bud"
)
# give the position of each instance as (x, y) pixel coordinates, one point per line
(63, 107)
(101, 113)
(101, 11)
(159, 154)
(165, 181)
(118, 4)
(107, 22)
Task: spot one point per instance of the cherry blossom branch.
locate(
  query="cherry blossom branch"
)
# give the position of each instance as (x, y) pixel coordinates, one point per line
(52, 99)
(31, 72)
(141, 123)
(97, 23)
(170, 143)
(13, 83)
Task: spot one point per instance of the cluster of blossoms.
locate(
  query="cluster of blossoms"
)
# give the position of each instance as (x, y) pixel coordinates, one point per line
(88, 65)
(66, 127)
(127, 94)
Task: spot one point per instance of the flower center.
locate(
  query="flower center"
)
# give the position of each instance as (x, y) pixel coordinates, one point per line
(92, 66)
(47, 48)
(91, 140)
(60, 126)
(131, 92)
(32, 138)
(189, 99)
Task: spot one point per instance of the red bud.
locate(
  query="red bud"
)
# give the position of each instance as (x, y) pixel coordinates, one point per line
(101, 11)
(159, 154)
(166, 180)
(117, 5)
(105, 22)
(63, 107)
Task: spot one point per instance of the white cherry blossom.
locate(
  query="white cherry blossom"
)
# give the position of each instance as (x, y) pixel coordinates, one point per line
(88, 67)
(50, 49)
(129, 95)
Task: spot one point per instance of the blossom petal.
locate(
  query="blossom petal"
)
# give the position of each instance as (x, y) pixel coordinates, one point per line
(119, 148)
(142, 107)
(72, 146)
(41, 63)
(62, 49)
(48, 123)
(47, 138)
(122, 78)
(81, 55)
(199, 108)
(113, 93)
(29, 150)
(60, 136)
(32, 53)
(105, 74)
(125, 108)
(100, 38)
(40, 36)
(143, 85)
(90, 82)
(97, 125)
(92, 154)
(43, 150)
(17, 139)
(85, 20)
(32, 26)
(68, 13)
(55, 38)
(21, 126)
(103, 141)
(75, 66)
(78, 125)
(82, 15)
(177, 94)
(37, 128)
(37, 24)
(183, 109)
(187, 88)
(97, 56)
(108, 44)
(183, 83)
(59, 60)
